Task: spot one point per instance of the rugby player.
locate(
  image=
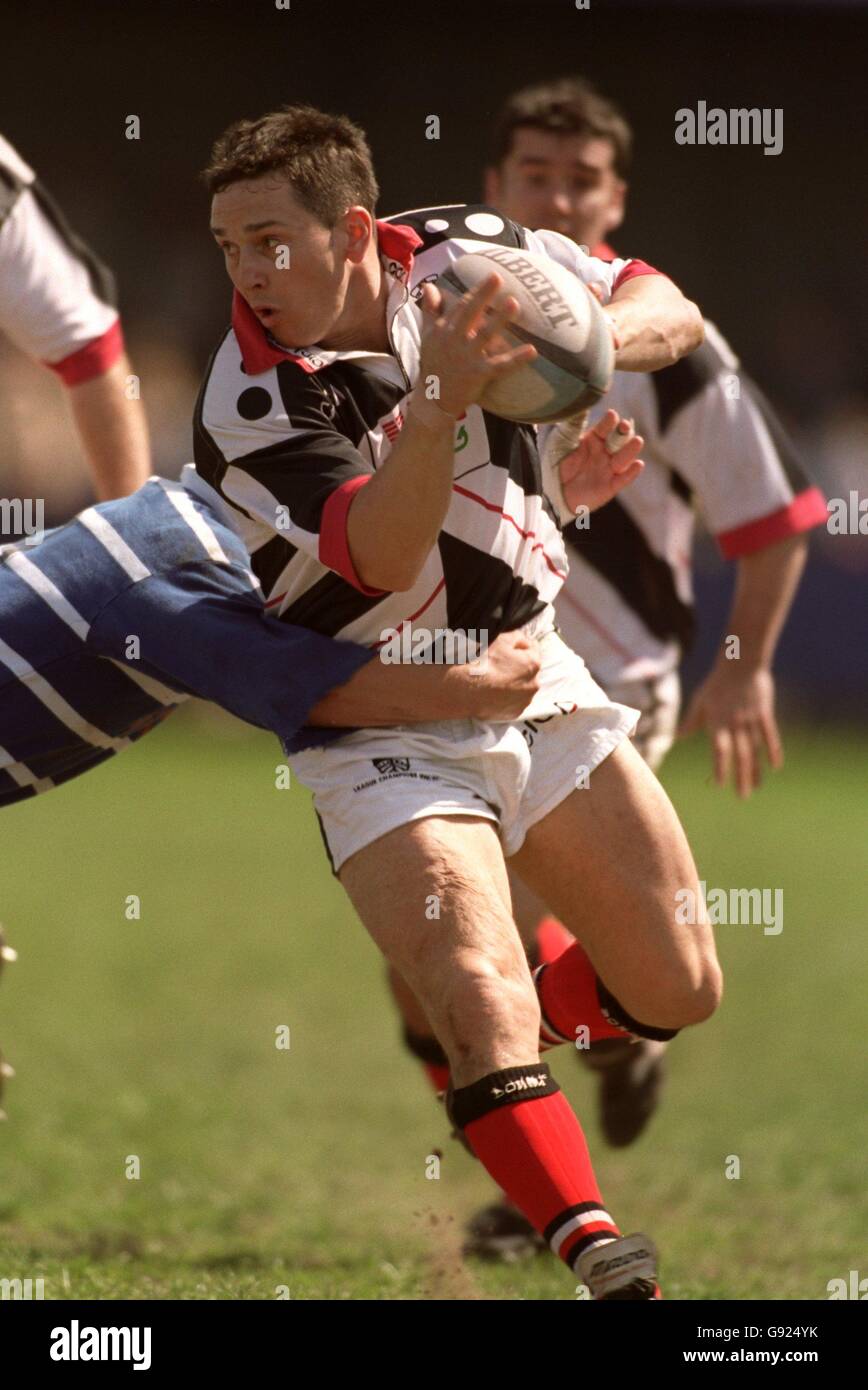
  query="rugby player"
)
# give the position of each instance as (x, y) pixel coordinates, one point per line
(560, 159)
(365, 504)
(113, 620)
(57, 306)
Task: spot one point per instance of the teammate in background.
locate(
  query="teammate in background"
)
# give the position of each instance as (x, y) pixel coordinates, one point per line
(57, 305)
(366, 504)
(560, 159)
(113, 620)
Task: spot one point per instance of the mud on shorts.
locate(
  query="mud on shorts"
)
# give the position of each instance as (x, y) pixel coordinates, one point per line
(512, 774)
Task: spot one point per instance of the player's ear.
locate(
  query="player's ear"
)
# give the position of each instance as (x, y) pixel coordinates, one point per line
(617, 205)
(490, 184)
(357, 225)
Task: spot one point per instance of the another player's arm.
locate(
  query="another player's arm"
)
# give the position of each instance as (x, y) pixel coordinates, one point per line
(654, 324)
(498, 686)
(113, 431)
(52, 312)
(754, 496)
(394, 521)
(736, 701)
(202, 629)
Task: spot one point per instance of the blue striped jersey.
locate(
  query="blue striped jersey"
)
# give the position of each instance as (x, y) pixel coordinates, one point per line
(111, 621)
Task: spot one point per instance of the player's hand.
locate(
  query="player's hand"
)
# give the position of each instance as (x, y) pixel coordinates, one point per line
(463, 347)
(737, 709)
(593, 473)
(504, 680)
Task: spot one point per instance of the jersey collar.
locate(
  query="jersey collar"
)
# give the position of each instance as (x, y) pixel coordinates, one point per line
(259, 352)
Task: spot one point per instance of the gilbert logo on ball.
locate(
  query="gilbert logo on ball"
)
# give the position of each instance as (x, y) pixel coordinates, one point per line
(559, 316)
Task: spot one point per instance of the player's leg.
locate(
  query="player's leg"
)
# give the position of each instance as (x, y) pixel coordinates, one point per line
(466, 967)
(631, 1078)
(611, 860)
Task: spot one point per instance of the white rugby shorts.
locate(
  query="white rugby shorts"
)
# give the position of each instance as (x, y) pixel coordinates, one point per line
(511, 773)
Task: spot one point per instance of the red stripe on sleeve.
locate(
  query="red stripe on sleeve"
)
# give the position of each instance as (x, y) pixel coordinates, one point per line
(632, 271)
(807, 509)
(93, 359)
(334, 549)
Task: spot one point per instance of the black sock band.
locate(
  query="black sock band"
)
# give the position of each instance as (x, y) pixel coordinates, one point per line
(499, 1088)
(427, 1049)
(618, 1015)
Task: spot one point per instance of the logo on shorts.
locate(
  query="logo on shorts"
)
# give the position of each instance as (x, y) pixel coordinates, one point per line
(391, 764)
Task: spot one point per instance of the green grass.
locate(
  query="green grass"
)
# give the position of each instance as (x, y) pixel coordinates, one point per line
(305, 1168)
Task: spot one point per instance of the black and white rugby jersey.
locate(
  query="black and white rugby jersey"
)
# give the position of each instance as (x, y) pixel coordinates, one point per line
(713, 446)
(287, 437)
(56, 299)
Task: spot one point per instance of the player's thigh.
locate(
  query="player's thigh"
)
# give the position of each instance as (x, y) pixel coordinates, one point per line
(433, 895)
(610, 860)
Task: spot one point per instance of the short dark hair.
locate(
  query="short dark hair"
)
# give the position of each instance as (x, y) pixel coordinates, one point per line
(568, 106)
(325, 158)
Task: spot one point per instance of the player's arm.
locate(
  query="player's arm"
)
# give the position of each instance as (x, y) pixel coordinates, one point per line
(202, 630)
(736, 701)
(393, 523)
(497, 686)
(112, 430)
(51, 310)
(653, 323)
(724, 441)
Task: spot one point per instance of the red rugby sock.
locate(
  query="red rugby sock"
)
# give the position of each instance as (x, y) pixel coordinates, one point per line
(552, 939)
(567, 990)
(535, 1150)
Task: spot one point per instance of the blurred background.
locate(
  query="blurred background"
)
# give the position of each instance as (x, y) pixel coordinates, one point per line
(773, 248)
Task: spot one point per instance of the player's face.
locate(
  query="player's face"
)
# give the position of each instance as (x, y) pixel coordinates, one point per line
(565, 183)
(290, 268)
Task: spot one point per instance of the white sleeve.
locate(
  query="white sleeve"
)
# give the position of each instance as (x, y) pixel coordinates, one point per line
(48, 307)
(589, 269)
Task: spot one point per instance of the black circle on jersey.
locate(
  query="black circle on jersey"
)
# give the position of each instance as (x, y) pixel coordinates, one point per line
(253, 403)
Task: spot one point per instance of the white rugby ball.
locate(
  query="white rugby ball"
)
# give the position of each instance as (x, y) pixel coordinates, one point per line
(559, 316)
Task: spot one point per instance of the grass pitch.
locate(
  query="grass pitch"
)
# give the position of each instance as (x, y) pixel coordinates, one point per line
(269, 1172)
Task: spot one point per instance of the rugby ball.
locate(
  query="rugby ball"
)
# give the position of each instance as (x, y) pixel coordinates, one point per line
(559, 316)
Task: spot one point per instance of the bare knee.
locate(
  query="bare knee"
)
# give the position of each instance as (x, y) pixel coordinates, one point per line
(689, 994)
(490, 1016)
(703, 991)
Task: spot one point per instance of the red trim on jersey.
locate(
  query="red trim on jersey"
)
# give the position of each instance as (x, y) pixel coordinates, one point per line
(632, 272)
(334, 549)
(398, 242)
(604, 252)
(526, 535)
(806, 510)
(257, 353)
(92, 360)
